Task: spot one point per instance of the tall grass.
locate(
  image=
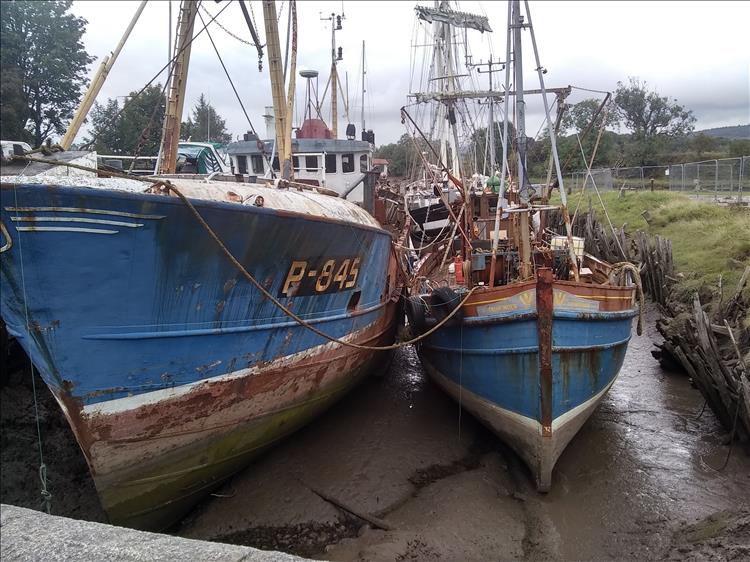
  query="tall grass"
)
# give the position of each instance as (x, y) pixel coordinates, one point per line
(708, 240)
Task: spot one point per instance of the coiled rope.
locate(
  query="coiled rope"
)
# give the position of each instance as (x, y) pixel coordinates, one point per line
(627, 266)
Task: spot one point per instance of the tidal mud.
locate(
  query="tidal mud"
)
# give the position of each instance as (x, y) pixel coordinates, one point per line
(641, 480)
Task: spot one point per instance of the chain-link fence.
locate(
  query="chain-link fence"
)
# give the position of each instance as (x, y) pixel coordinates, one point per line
(722, 178)
(642, 177)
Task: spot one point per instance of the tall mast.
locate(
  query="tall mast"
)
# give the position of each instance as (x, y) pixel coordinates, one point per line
(443, 77)
(334, 85)
(517, 26)
(173, 115)
(276, 72)
(491, 101)
(288, 168)
(363, 86)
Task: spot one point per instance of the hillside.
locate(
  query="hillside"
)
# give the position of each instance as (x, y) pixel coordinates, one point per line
(736, 132)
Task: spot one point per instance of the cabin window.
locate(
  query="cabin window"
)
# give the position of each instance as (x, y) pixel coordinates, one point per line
(295, 163)
(331, 164)
(347, 163)
(242, 164)
(276, 164)
(257, 162)
(311, 163)
(363, 167)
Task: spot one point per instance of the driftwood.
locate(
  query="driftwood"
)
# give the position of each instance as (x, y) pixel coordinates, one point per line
(712, 355)
(374, 521)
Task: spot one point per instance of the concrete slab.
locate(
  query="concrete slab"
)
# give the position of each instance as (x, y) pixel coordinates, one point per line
(26, 535)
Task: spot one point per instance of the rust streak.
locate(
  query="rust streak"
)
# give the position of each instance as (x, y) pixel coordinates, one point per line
(544, 306)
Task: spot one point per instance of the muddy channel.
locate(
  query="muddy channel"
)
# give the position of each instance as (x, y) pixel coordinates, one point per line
(643, 479)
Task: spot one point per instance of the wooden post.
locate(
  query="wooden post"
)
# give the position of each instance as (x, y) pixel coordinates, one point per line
(525, 244)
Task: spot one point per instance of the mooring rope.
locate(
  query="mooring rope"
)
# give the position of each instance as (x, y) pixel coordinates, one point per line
(627, 266)
(212, 234)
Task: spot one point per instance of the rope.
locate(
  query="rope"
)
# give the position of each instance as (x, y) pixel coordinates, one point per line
(627, 266)
(212, 234)
(287, 311)
(46, 495)
(588, 90)
(599, 195)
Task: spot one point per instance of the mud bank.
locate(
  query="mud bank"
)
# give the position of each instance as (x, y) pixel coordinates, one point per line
(640, 481)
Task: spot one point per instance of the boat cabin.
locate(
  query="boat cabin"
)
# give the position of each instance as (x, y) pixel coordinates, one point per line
(337, 164)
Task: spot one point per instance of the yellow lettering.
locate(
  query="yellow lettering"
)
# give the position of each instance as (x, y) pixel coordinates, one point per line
(295, 275)
(351, 279)
(324, 279)
(341, 274)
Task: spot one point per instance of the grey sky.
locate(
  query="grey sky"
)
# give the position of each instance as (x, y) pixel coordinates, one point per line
(696, 52)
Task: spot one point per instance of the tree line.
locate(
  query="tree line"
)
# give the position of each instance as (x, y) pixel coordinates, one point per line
(43, 72)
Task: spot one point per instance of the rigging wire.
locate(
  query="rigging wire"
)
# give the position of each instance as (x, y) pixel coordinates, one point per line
(231, 83)
(589, 90)
(128, 103)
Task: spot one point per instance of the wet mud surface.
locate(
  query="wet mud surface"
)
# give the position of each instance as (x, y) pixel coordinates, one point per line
(639, 481)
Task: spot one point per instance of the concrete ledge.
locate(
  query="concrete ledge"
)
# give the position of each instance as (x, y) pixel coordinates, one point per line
(26, 534)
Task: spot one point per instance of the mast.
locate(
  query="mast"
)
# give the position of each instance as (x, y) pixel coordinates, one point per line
(443, 74)
(333, 78)
(288, 168)
(492, 125)
(504, 163)
(277, 83)
(491, 100)
(363, 86)
(334, 86)
(173, 115)
(97, 82)
(517, 26)
(523, 217)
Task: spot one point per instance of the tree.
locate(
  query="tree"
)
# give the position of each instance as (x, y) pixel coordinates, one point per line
(702, 143)
(652, 118)
(136, 130)
(43, 66)
(403, 155)
(579, 115)
(648, 114)
(205, 125)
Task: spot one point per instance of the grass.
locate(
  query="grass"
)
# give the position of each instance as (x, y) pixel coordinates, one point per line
(708, 240)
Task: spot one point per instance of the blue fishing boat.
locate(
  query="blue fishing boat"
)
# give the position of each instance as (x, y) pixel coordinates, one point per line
(172, 369)
(184, 335)
(538, 328)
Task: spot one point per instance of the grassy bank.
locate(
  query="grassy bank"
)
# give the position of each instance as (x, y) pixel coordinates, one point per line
(707, 240)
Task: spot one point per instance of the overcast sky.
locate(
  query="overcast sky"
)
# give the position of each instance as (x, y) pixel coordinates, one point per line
(695, 52)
